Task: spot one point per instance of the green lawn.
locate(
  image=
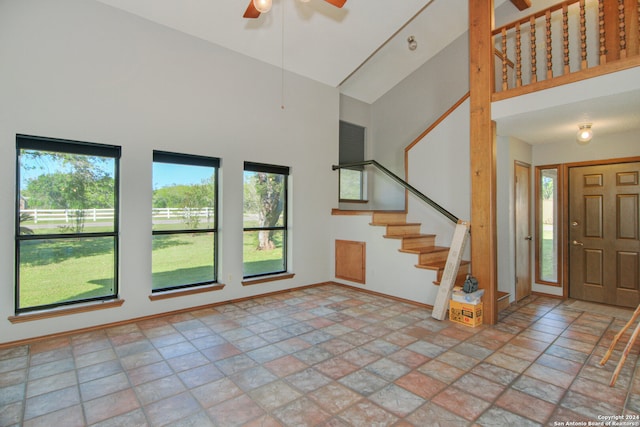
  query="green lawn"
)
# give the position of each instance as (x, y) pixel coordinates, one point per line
(65, 270)
(56, 271)
(262, 261)
(548, 261)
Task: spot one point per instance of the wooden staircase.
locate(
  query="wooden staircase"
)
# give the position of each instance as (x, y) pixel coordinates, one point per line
(430, 256)
(412, 241)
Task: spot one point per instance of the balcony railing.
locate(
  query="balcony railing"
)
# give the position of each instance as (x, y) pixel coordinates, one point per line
(570, 41)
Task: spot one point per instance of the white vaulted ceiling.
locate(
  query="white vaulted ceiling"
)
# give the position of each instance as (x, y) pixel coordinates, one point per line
(362, 49)
(353, 48)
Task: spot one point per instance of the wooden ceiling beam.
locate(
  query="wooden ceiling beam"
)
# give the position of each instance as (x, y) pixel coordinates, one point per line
(521, 4)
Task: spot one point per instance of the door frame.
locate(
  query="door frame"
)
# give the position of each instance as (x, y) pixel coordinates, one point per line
(565, 210)
(518, 163)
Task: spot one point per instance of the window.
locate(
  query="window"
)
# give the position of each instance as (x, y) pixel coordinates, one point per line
(547, 224)
(66, 222)
(264, 219)
(351, 151)
(185, 190)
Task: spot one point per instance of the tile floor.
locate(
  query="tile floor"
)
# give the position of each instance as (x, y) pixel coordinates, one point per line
(324, 356)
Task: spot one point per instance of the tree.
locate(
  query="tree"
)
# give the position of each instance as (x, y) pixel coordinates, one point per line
(547, 187)
(264, 196)
(24, 217)
(190, 198)
(79, 182)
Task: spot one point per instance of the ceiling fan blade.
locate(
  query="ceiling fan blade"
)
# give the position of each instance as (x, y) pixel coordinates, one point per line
(336, 3)
(251, 11)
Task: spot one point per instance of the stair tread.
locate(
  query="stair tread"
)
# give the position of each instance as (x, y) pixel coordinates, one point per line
(393, 224)
(502, 295)
(439, 265)
(425, 249)
(407, 236)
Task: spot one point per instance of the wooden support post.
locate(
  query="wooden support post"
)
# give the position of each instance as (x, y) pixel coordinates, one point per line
(483, 155)
(521, 4)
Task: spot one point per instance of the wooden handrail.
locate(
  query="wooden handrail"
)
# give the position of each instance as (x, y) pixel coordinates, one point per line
(436, 123)
(510, 63)
(402, 182)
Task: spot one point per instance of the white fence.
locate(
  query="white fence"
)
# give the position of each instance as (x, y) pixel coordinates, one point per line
(95, 215)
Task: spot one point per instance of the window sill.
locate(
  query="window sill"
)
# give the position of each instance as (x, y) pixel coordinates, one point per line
(184, 292)
(265, 279)
(56, 312)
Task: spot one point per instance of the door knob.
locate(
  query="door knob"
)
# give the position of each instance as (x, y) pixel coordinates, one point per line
(576, 243)
(528, 238)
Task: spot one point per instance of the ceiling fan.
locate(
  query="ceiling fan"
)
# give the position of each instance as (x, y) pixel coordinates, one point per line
(256, 7)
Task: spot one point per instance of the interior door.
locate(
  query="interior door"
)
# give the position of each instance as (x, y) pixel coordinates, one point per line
(604, 245)
(523, 230)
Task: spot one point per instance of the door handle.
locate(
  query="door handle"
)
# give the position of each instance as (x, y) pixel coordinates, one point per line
(528, 238)
(576, 243)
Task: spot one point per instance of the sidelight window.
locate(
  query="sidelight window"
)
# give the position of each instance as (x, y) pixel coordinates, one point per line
(548, 224)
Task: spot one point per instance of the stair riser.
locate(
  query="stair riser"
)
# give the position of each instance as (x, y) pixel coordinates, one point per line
(419, 242)
(433, 257)
(401, 230)
(463, 270)
(389, 217)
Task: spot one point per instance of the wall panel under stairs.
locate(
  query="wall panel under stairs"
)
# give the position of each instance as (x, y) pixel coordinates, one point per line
(388, 270)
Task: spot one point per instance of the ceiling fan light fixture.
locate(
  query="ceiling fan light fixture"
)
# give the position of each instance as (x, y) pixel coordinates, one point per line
(584, 133)
(262, 6)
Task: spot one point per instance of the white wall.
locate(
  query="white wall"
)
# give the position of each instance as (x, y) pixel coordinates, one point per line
(610, 146)
(400, 115)
(439, 168)
(403, 113)
(509, 151)
(81, 70)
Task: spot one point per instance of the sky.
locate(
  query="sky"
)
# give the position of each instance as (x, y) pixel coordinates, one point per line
(167, 174)
(164, 174)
